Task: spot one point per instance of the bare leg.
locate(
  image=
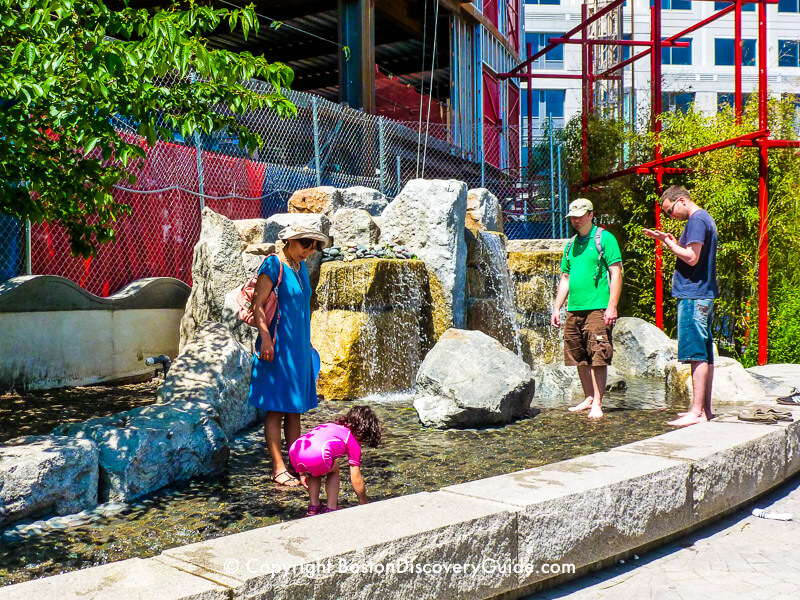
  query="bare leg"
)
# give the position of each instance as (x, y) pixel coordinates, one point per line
(585, 374)
(291, 428)
(314, 485)
(701, 382)
(599, 375)
(332, 482)
(707, 399)
(272, 433)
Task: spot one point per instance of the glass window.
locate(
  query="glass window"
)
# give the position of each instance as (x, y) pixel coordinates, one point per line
(677, 56)
(723, 52)
(788, 6)
(546, 103)
(788, 53)
(676, 4)
(554, 59)
(745, 7)
(727, 99)
(677, 101)
(542, 1)
(626, 50)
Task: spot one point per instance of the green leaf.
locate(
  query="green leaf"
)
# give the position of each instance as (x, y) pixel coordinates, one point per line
(276, 24)
(17, 51)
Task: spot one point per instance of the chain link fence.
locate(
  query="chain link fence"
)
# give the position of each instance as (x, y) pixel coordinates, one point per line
(326, 144)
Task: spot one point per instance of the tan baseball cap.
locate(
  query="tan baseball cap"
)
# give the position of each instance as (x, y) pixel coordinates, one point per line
(579, 207)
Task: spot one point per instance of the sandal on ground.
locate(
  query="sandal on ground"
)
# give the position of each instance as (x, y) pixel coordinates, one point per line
(780, 415)
(757, 416)
(327, 510)
(315, 510)
(793, 399)
(285, 479)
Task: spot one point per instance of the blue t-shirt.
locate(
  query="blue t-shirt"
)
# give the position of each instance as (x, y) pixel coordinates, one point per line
(698, 282)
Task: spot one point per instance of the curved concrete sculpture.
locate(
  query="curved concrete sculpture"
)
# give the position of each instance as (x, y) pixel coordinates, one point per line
(53, 333)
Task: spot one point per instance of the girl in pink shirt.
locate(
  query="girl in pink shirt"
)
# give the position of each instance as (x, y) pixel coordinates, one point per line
(314, 455)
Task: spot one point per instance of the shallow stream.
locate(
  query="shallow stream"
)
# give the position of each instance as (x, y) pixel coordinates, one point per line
(411, 459)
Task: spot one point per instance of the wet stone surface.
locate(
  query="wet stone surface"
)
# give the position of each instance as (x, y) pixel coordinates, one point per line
(411, 459)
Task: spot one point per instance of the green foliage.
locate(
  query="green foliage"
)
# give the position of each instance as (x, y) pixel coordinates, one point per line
(725, 182)
(69, 66)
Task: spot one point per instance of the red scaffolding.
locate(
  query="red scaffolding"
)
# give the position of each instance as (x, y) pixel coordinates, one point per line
(758, 139)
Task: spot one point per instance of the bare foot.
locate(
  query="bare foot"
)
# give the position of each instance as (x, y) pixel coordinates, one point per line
(596, 412)
(585, 405)
(688, 419)
(683, 414)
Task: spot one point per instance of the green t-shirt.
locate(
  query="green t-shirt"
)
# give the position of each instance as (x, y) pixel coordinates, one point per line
(584, 293)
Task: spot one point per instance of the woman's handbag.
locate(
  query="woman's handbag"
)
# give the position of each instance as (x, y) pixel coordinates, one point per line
(245, 300)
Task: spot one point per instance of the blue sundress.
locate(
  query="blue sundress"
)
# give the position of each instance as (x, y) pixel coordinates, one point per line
(287, 383)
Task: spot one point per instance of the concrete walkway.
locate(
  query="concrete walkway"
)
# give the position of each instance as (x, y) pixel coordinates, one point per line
(738, 557)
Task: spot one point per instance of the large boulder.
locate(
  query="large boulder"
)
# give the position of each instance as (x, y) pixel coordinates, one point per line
(732, 385)
(428, 218)
(251, 231)
(541, 346)
(354, 226)
(470, 380)
(217, 268)
(45, 475)
(214, 369)
(364, 198)
(373, 326)
(324, 200)
(641, 349)
(483, 210)
(489, 294)
(146, 448)
(561, 384)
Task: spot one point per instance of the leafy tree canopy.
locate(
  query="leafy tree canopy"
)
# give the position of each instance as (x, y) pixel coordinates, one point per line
(68, 67)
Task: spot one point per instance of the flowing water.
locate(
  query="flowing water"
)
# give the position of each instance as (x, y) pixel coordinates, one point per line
(411, 459)
(495, 270)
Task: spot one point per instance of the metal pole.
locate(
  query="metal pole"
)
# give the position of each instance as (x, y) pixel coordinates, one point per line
(763, 192)
(737, 61)
(655, 87)
(399, 183)
(199, 157)
(560, 190)
(316, 139)
(585, 94)
(483, 170)
(552, 181)
(529, 101)
(28, 261)
(380, 155)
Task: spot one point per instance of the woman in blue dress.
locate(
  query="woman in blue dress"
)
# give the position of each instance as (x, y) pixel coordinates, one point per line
(282, 381)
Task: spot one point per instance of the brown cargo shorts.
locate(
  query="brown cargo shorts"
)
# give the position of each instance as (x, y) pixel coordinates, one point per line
(587, 339)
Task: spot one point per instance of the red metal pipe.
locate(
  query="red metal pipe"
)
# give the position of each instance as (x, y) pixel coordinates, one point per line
(681, 155)
(701, 23)
(584, 23)
(560, 40)
(763, 192)
(540, 76)
(590, 57)
(737, 61)
(585, 98)
(655, 116)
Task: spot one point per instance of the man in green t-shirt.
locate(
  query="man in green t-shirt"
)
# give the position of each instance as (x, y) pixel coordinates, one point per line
(593, 282)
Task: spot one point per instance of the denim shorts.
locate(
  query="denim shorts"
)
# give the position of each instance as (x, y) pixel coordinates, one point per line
(694, 330)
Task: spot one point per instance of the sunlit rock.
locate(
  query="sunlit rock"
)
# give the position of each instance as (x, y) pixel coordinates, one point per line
(214, 369)
(489, 296)
(354, 226)
(45, 475)
(373, 326)
(364, 198)
(483, 210)
(217, 268)
(641, 349)
(469, 379)
(732, 384)
(428, 218)
(324, 199)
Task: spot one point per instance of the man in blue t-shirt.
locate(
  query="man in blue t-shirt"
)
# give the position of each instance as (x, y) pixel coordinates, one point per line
(694, 284)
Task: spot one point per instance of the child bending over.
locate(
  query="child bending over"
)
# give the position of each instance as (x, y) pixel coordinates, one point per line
(314, 455)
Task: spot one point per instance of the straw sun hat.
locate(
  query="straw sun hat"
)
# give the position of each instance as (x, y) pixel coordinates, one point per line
(297, 231)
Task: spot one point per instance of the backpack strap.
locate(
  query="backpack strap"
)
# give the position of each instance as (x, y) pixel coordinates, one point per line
(569, 247)
(598, 244)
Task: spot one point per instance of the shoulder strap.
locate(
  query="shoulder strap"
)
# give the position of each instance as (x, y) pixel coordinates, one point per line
(598, 241)
(569, 247)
